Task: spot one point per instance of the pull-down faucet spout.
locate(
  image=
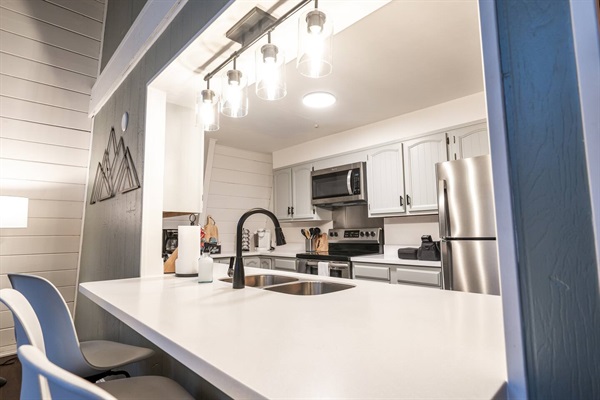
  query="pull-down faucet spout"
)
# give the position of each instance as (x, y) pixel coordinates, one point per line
(238, 270)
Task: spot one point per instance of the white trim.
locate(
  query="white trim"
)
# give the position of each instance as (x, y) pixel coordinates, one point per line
(584, 17)
(151, 262)
(208, 175)
(102, 41)
(511, 302)
(147, 27)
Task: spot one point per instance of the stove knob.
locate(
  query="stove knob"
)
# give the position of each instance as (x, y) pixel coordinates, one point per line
(331, 234)
(335, 234)
(372, 233)
(363, 234)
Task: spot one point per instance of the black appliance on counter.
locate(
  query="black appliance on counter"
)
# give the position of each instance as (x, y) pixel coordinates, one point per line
(169, 243)
(343, 244)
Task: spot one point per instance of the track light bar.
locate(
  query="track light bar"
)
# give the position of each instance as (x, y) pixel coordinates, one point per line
(267, 30)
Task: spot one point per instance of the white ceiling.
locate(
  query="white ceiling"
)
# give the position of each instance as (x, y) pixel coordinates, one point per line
(403, 56)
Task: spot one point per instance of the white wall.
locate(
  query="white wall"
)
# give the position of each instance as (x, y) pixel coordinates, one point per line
(456, 112)
(48, 64)
(239, 180)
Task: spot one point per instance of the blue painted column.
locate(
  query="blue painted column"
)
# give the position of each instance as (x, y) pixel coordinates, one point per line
(557, 265)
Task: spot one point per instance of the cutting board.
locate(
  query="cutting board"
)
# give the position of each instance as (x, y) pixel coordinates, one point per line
(322, 243)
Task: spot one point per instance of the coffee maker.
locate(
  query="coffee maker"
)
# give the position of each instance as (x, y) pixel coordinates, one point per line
(169, 243)
(263, 240)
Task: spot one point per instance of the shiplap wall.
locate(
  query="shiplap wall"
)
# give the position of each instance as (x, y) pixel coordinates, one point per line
(49, 52)
(240, 180)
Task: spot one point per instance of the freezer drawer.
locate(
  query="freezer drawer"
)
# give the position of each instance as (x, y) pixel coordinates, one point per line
(470, 266)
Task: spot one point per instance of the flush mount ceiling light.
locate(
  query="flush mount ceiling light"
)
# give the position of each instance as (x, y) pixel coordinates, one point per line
(318, 99)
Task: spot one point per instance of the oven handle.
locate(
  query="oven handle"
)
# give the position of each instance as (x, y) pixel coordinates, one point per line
(339, 265)
(348, 183)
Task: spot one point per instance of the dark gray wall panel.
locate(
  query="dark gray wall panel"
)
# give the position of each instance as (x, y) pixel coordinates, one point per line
(121, 14)
(112, 230)
(553, 222)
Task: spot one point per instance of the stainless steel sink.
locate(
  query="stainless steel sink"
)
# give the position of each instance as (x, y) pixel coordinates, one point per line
(309, 288)
(260, 281)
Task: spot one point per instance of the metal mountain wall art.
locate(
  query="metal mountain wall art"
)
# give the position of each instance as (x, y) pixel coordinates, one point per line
(116, 173)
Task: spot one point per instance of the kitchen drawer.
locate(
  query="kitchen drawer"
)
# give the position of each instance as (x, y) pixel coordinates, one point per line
(371, 272)
(417, 276)
(287, 264)
(221, 260)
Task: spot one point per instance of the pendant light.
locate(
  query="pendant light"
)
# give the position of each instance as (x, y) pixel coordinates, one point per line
(207, 109)
(234, 100)
(270, 72)
(315, 43)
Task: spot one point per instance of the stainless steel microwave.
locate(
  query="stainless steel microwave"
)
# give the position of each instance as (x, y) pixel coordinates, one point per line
(343, 185)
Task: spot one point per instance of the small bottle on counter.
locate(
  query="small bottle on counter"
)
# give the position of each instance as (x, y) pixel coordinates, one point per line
(205, 268)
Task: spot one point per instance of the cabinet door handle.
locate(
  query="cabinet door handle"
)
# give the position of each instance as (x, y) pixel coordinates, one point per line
(289, 210)
(401, 201)
(292, 210)
(407, 200)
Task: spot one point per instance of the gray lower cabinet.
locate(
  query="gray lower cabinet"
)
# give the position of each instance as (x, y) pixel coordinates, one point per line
(371, 272)
(398, 274)
(413, 275)
(284, 264)
(266, 263)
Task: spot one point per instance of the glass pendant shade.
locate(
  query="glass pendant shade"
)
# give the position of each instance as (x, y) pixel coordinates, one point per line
(234, 100)
(315, 44)
(208, 110)
(270, 73)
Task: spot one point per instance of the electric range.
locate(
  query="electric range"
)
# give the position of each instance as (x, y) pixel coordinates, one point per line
(343, 245)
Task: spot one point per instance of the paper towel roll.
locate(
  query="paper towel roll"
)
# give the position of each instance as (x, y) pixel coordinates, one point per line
(188, 245)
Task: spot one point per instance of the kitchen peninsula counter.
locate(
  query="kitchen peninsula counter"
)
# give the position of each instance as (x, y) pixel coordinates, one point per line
(371, 341)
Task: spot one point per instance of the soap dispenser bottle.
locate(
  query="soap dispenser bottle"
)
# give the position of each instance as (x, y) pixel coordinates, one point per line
(205, 268)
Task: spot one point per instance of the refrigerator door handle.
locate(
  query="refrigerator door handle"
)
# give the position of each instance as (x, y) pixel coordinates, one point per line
(443, 208)
(446, 264)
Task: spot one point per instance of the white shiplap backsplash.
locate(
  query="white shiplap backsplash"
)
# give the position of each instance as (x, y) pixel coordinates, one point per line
(48, 64)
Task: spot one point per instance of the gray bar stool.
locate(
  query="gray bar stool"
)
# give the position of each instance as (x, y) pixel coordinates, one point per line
(92, 359)
(63, 384)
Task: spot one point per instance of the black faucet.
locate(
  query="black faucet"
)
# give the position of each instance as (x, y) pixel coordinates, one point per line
(238, 270)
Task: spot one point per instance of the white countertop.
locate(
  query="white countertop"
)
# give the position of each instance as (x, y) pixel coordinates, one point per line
(393, 259)
(390, 256)
(373, 341)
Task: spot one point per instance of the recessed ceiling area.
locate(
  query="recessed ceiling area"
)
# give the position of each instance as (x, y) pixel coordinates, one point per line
(401, 57)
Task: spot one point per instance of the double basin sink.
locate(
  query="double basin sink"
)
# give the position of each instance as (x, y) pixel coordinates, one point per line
(289, 285)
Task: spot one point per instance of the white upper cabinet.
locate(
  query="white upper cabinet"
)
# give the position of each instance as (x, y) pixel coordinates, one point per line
(282, 194)
(301, 192)
(385, 180)
(292, 195)
(469, 141)
(420, 157)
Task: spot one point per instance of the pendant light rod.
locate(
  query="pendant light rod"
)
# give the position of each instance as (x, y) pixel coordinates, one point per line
(267, 30)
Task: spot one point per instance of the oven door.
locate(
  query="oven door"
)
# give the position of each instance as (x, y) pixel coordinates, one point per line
(340, 269)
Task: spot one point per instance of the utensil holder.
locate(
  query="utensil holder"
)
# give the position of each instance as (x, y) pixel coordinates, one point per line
(310, 245)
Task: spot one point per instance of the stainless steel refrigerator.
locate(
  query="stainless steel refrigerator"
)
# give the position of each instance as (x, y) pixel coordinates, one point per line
(469, 249)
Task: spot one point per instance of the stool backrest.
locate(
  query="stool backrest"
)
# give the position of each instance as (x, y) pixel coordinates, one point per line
(27, 330)
(60, 337)
(53, 382)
